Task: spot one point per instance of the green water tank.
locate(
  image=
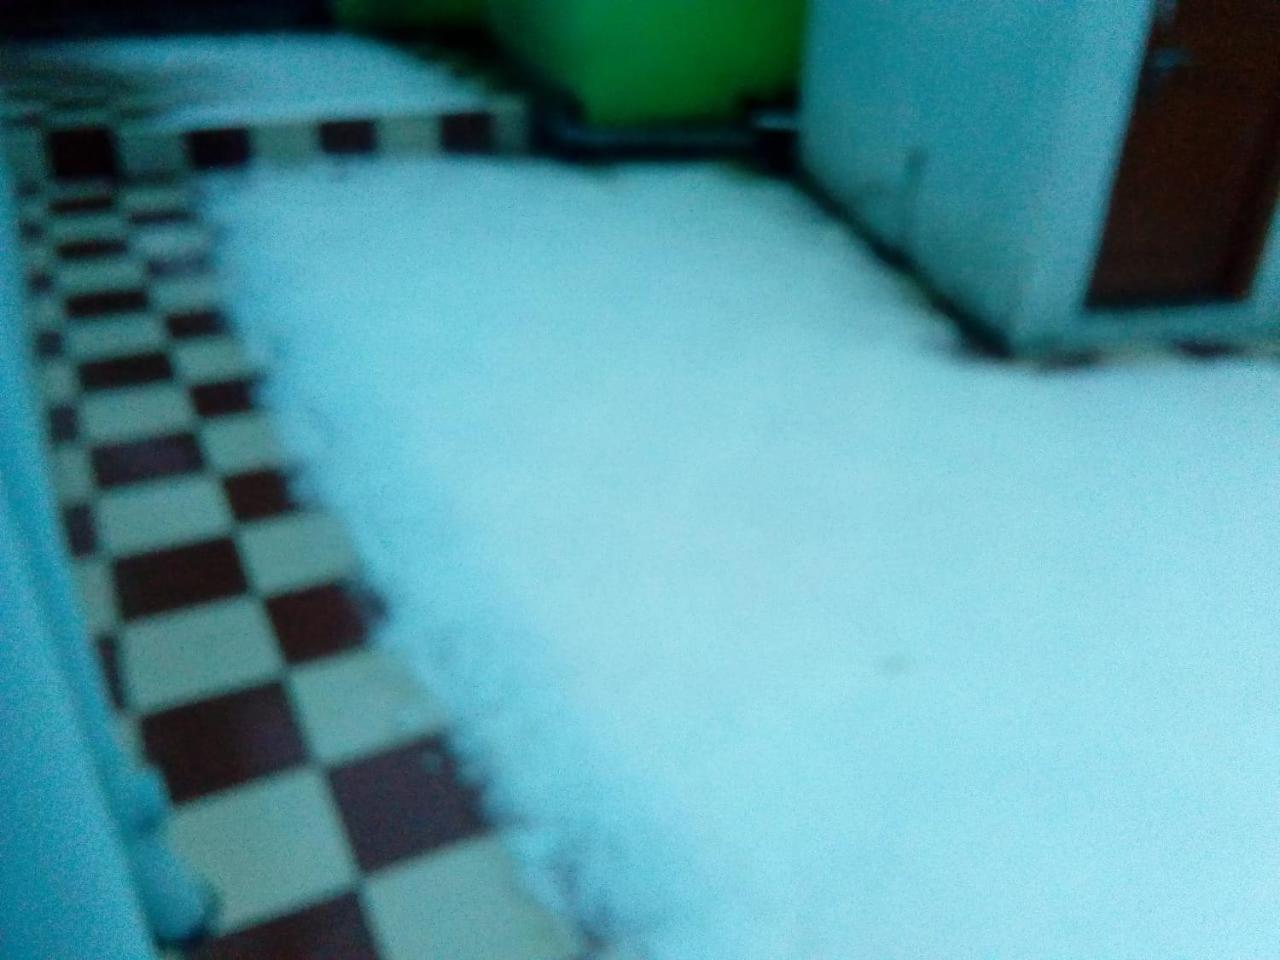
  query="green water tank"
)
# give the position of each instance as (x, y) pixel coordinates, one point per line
(638, 62)
(407, 14)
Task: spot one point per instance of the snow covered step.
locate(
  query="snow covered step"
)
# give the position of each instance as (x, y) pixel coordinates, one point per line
(99, 143)
(145, 149)
(158, 108)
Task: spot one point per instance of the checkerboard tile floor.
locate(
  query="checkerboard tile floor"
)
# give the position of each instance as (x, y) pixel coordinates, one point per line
(312, 781)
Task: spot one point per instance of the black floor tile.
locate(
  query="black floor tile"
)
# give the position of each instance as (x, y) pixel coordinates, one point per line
(125, 371)
(470, 132)
(82, 537)
(88, 249)
(213, 744)
(333, 930)
(222, 398)
(121, 463)
(263, 493)
(64, 423)
(83, 306)
(195, 323)
(209, 149)
(403, 803)
(180, 577)
(317, 622)
(72, 206)
(348, 137)
(82, 152)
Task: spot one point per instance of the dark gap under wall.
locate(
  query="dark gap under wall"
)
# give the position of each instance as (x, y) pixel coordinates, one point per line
(29, 19)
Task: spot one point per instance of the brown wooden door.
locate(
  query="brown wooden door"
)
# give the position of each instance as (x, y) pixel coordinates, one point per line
(1200, 173)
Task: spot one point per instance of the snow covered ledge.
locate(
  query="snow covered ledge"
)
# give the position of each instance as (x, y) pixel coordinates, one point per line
(236, 101)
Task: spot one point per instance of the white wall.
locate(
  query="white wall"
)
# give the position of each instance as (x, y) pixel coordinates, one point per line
(65, 884)
(1015, 113)
(1111, 38)
(64, 876)
(971, 91)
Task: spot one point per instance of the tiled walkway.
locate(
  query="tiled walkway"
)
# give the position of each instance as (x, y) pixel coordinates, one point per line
(311, 779)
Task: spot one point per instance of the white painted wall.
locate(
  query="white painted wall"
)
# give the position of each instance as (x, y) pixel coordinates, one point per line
(980, 139)
(65, 888)
(65, 874)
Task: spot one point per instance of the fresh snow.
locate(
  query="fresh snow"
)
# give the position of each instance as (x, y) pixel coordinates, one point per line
(252, 78)
(779, 626)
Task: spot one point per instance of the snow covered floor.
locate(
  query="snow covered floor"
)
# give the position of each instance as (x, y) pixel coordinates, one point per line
(239, 80)
(779, 626)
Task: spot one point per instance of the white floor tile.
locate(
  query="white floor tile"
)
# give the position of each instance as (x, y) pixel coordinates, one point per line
(409, 134)
(284, 142)
(97, 595)
(136, 333)
(240, 443)
(22, 150)
(361, 702)
(35, 209)
(145, 150)
(79, 189)
(196, 653)
(68, 116)
(147, 197)
(44, 313)
(109, 273)
(161, 514)
(130, 738)
(511, 124)
(295, 551)
(170, 241)
(269, 847)
(184, 293)
(72, 474)
(134, 413)
(209, 359)
(38, 258)
(92, 226)
(58, 382)
(464, 904)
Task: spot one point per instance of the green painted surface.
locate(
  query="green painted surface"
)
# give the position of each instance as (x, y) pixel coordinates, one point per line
(634, 62)
(392, 14)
